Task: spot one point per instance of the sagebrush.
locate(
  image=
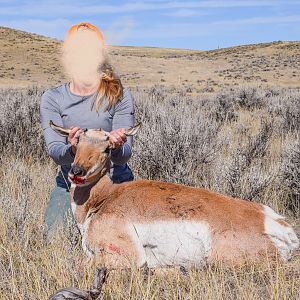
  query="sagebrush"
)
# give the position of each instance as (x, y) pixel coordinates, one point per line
(241, 142)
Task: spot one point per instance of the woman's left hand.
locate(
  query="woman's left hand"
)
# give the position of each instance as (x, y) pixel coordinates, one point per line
(117, 138)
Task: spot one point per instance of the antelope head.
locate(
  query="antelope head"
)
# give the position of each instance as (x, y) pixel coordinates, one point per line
(92, 158)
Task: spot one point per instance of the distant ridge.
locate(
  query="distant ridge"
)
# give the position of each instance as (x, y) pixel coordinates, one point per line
(29, 58)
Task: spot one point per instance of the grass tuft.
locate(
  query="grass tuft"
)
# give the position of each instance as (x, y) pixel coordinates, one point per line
(244, 143)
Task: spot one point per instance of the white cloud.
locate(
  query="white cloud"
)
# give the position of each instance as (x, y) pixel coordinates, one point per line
(33, 8)
(115, 33)
(119, 30)
(52, 28)
(123, 28)
(185, 13)
(192, 30)
(261, 20)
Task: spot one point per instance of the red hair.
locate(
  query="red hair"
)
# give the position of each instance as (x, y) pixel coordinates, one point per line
(86, 25)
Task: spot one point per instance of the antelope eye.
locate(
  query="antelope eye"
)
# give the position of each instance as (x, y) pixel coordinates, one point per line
(107, 150)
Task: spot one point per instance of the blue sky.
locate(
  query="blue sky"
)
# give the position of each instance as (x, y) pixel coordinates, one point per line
(178, 24)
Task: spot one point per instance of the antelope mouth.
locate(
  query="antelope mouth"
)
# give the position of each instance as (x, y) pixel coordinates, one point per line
(78, 180)
(84, 177)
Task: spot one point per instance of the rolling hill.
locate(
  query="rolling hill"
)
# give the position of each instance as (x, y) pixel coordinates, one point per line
(29, 58)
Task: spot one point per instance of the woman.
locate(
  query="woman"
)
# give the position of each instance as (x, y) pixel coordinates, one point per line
(94, 98)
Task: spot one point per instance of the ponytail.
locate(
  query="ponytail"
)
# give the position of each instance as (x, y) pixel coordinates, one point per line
(110, 87)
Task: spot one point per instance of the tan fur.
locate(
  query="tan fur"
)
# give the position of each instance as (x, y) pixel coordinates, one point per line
(283, 223)
(106, 210)
(237, 225)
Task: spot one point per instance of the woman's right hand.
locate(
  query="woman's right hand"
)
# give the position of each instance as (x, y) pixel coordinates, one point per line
(73, 137)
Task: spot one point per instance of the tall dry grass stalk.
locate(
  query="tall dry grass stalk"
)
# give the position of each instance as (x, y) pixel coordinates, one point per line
(240, 142)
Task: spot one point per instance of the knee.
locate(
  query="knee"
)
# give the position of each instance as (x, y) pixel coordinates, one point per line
(58, 209)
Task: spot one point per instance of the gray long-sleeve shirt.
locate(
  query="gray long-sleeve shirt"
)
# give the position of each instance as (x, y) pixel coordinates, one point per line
(66, 109)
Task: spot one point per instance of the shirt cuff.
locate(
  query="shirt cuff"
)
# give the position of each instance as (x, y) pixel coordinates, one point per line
(71, 151)
(116, 152)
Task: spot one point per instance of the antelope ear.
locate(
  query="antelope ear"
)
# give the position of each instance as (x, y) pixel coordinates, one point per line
(133, 130)
(60, 130)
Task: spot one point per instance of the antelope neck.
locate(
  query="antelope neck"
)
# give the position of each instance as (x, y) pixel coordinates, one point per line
(90, 198)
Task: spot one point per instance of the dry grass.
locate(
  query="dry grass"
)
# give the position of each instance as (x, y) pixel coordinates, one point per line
(240, 142)
(243, 142)
(33, 269)
(30, 58)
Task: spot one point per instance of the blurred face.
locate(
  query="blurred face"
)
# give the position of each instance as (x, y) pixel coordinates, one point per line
(82, 55)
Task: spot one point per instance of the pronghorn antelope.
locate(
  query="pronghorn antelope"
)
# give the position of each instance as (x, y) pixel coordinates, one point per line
(165, 224)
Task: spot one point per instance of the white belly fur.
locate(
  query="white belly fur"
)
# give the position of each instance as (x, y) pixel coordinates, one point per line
(283, 237)
(169, 243)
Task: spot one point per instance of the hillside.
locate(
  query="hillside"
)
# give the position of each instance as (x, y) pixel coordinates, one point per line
(30, 58)
(242, 142)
